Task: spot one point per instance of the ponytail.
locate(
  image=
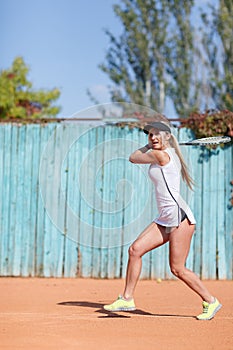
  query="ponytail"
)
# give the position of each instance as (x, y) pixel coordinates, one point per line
(184, 169)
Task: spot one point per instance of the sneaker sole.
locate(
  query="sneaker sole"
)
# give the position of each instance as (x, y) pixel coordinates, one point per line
(211, 316)
(122, 309)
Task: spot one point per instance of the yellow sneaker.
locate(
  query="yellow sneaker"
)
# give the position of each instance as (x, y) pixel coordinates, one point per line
(209, 310)
(121, 305)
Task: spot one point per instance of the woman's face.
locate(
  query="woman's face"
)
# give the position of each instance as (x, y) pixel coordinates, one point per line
(155, 139)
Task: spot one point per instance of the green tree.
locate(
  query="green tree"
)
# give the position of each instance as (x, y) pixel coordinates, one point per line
(183, 86)
(19, 100)
(153, 57)
(136, 61)
(218, 46)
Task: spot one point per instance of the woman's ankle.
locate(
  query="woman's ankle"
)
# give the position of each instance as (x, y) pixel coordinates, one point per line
(127, 297)
(210, 300)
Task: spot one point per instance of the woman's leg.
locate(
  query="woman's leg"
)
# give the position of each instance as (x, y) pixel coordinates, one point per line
(152, 237)
(179, 245)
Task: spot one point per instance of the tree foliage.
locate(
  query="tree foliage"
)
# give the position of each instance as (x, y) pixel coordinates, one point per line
(19, 100)
(182, 87)
(159, 55)
(135, 61)
(218, 46)
(152, 58)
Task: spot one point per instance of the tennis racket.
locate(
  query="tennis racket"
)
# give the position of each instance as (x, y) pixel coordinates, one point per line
(215, 140)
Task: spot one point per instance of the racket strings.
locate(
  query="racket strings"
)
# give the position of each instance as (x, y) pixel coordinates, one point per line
(215, 140)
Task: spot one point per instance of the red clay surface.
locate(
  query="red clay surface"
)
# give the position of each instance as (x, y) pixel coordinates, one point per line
(63, 314)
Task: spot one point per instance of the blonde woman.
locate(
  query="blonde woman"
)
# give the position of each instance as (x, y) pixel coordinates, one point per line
(175, 223)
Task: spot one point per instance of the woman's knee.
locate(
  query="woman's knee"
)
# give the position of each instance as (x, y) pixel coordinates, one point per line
(134, 250)
(178, 271)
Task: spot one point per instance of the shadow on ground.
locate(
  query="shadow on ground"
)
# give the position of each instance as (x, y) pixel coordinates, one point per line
(107, 314)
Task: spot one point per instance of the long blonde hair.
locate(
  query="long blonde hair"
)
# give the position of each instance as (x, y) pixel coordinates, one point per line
(184, 169)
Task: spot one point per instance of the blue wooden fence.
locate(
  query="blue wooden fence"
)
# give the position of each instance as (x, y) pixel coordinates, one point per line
(71, 203)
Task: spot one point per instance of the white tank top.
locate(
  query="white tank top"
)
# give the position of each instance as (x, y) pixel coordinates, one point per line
(167, 190)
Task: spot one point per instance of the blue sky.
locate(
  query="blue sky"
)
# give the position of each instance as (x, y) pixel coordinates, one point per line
(62, 42)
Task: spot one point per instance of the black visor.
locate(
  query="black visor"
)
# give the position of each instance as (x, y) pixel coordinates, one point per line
(156, 125)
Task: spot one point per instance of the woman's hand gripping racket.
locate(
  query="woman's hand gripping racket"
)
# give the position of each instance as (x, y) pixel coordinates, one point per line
(216, 140)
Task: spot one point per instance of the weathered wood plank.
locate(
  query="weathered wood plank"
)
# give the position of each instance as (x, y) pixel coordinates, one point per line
(228, 166)
(13, 178)
(5, 192)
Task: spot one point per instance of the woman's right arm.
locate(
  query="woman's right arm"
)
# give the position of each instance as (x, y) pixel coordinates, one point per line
(141, 156)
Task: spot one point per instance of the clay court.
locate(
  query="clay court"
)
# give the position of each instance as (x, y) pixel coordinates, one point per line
(40, 313)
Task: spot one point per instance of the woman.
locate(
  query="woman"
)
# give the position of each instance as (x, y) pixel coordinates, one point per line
(175, 223)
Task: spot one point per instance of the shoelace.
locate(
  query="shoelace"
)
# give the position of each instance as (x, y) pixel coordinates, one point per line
(205, 308)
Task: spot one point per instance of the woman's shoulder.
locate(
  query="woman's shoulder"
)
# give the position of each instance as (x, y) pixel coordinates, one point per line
(170, 150)
(174, 159)
(161, 157)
